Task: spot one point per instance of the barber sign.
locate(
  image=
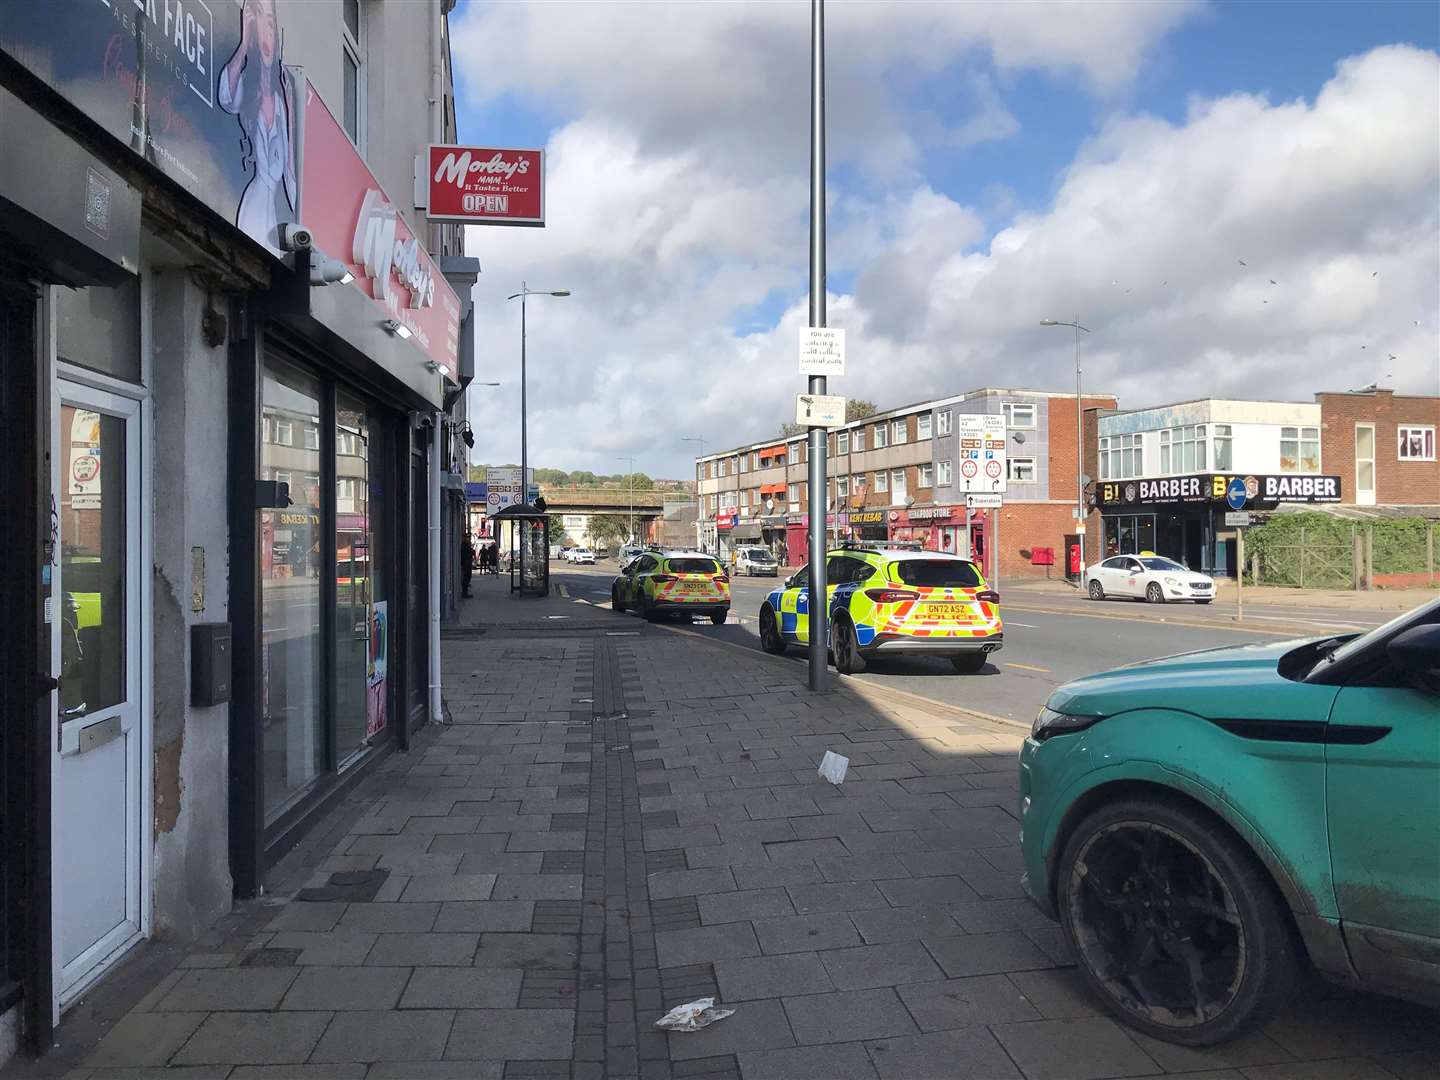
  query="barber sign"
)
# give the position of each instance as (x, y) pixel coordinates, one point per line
(486, 185)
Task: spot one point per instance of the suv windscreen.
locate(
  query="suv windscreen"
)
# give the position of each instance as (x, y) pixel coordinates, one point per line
(692, 566)
(937, 573)
(1158, 563)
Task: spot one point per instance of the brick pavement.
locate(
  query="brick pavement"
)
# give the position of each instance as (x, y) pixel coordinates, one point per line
(621, 818)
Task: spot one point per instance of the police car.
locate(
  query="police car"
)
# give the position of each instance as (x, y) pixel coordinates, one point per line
(661, 582)
(890, 600)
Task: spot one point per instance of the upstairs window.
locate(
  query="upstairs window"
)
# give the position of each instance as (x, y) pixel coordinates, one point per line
(1019, 414)
(880, 441)
(942, 422)
(1299, 449)
(922, 426)
(897, 431)
(352, 64)
(1417, 443)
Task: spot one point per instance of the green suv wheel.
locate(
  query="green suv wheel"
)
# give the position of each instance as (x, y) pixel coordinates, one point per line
(1176, 926)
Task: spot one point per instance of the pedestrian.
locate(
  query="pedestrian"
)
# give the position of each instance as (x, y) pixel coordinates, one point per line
(467, 565)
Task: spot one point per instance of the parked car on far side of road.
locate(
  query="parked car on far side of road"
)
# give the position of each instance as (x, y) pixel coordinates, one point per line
(755, 562)
(1148, 577)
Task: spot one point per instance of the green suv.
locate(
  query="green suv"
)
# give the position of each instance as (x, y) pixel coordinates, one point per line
(1204, 824)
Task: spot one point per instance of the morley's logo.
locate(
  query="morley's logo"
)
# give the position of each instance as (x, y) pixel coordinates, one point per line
(459, 169)
(378, 248)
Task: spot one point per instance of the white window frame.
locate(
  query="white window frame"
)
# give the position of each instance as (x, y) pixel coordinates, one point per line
(284, 432)
(882, 433)
(744, 463)
(1365, 496)
(927, 476)
(882, 482)
(354, 47)
(1222, 433)
(1011, 407)
(1427, 435)
(945, 472)
(1014, 467)
(899, 432)
(286, 477)
(794, 494)
(943, 421)
(858, 441)
(923, 425)
(842, 487)
(1303, 436)
(842, 443)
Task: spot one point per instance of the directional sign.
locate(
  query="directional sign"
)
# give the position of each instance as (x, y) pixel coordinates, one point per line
(822, 351)
(982, 439)
(819, 410)
(1235, 494)
(983, 501)
(1242, 518)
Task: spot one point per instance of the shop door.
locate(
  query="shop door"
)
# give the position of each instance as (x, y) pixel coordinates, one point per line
(417, 677)
(97, 648)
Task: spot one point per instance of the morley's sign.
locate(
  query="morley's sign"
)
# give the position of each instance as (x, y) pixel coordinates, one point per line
(1211, 488)
(354, 221)
(198, 88)
(486, 186)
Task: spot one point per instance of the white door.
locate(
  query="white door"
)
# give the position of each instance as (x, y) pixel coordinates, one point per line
(96, 643)
(1365, 464)
(897, 487)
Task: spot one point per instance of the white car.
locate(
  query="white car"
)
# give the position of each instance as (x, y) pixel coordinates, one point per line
(1147, 577)
(582, 555)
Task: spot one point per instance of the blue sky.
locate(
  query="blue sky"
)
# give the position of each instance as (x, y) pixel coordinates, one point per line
(677, 176)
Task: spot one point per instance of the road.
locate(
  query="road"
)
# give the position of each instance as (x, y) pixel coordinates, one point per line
(1050, 638)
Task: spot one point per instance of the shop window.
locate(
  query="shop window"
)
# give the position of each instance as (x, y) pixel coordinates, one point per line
(99, 328)
(1416, 443)
(897, 431)
(361, 676)
(1019, 414)
(944, 472)
(291, 690)
(927, 476)
(1020, 470)
(1224, 454)
(1299, 449)
(942, 422)
(922, 426)
(882, 481)
(842, 443)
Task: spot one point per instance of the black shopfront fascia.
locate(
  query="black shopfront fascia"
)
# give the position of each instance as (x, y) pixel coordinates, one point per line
(295, 323)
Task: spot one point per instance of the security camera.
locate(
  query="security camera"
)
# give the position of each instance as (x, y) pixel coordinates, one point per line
(327, 271)
(296, 237)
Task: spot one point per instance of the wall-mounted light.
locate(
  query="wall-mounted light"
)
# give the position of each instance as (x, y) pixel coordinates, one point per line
(436, 366)
(398, 328)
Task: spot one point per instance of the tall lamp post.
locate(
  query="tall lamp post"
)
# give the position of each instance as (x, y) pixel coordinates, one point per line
(819, 614)
(630, 483)
(699, 495)
(525, 293)
(1079, 442)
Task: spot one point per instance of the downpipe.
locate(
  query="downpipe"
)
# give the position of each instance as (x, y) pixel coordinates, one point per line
(435, 448)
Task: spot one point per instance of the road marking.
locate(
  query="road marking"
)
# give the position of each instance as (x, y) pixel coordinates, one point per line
(563, 591)
(1029, 667)
(1026, 625)
(1167, 622)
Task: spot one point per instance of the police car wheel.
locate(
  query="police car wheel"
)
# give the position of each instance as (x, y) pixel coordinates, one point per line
(718, 617)
(848, 660)
(770, 639)
(968, 663)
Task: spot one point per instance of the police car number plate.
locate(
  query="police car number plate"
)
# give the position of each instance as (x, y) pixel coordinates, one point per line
(946, 611)
(694, 587)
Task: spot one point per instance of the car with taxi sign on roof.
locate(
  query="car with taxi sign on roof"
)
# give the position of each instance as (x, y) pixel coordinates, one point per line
(888, 599)
(660, 583)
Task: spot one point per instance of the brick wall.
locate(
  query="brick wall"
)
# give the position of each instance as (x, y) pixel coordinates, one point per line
(1025, 526)
(1396, 482)
(1062, 443)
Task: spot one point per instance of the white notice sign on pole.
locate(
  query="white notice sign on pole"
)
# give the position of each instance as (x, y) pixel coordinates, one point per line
(822, 351)
(982, 452)
(819, 410)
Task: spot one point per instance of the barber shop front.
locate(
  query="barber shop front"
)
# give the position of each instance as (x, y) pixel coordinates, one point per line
(1183, 517)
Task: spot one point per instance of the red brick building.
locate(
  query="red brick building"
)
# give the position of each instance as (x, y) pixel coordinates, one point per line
(1383, 446)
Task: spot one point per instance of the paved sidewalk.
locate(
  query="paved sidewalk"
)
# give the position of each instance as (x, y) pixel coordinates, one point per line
(622, 818)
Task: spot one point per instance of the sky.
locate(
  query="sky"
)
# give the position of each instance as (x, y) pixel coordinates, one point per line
(1236, 199)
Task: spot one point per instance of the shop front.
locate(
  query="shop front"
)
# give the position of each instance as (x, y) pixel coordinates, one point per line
(942, 528)
(1183, 517)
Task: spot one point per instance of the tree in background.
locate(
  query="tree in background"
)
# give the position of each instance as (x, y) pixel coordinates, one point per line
(557, 530)
(609, 530)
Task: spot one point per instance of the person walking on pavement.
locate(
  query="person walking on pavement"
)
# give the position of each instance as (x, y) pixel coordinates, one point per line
(467, 565)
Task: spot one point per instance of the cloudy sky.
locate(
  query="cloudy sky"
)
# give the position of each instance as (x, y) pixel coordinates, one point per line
(1238, 200)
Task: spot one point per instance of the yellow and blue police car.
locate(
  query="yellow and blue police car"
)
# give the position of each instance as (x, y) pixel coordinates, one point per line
(886, 600)
(660, 582)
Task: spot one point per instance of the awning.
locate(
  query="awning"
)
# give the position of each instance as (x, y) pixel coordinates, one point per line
(772, 451)
(745, 530)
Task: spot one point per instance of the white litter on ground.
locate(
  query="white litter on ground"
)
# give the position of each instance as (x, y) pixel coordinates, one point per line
(693, 1015)
(833, 766)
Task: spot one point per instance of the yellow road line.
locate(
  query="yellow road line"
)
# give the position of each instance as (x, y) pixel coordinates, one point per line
(1029, 667)
(1300, 628)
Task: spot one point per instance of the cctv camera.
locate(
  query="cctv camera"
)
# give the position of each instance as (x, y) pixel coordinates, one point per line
(296, 237)
(327, 271)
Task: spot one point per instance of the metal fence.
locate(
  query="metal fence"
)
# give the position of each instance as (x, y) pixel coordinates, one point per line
(1346, 555)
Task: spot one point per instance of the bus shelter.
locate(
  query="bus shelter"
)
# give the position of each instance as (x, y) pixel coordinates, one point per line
(528, 551)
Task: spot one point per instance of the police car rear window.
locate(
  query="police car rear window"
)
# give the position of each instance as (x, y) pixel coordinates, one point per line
(937, 573)
(693, 566)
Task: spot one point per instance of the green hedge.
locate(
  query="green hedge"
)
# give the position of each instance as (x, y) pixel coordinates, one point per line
(1399, 542)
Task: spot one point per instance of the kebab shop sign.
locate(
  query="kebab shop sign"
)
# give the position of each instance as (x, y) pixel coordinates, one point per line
(353, 220)
(487, 186)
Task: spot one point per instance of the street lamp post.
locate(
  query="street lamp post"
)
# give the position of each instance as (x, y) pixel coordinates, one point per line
(1079, 444)
(524, 293)
(630, 484)
(699, 495)
(819, 614)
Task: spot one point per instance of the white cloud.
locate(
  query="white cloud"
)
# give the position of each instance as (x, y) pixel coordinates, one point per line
(678, 198)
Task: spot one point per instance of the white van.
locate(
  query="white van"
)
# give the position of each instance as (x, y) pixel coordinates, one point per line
(756, 562)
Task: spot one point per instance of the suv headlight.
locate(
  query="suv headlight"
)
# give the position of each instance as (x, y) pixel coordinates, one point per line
(1050, 722)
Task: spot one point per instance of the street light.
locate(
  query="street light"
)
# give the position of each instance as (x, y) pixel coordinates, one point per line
(699, 495)
(1079, 443)
(630, 483)
(524, 293)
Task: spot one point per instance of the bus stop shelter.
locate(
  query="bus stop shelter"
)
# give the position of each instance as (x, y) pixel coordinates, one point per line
(529, 548)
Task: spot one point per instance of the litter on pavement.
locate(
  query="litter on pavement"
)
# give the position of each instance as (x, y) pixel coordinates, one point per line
(833, 766)
(693, 1015)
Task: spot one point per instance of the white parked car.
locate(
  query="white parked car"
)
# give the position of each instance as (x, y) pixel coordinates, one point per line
(1147, 577)
(582, 555)
(756, 562)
